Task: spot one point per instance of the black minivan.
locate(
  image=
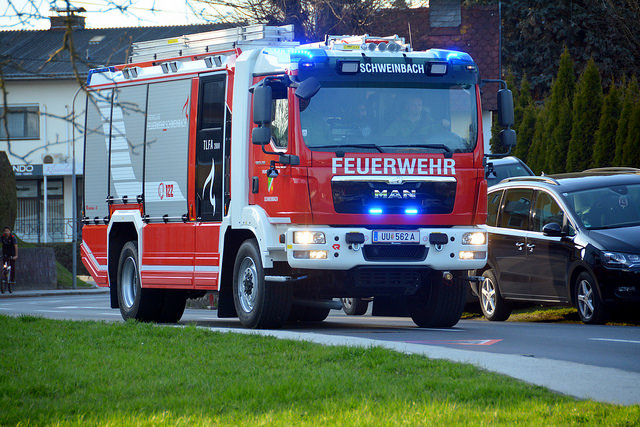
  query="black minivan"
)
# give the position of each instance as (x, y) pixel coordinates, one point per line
(570, 238)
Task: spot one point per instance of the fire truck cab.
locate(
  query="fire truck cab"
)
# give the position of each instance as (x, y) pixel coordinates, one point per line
(284, 176)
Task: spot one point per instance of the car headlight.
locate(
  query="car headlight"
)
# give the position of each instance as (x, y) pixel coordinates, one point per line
(475, 238)
(619, 259)
(308, 237)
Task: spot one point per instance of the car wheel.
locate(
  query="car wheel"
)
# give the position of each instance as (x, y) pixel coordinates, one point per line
(494, 307)
(591, 309)
(259, 304)
(354, 306)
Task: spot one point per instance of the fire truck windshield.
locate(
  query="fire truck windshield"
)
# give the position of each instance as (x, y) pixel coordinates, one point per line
(390, 118)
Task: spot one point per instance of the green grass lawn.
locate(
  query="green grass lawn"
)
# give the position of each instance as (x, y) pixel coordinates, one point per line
(77, 373)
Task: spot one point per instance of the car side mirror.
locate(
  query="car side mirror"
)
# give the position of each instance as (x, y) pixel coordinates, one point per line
(553, 229)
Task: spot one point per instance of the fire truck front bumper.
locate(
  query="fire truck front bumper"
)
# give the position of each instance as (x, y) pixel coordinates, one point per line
(331, 248)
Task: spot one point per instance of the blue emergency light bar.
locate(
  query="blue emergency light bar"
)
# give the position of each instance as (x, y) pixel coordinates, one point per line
(99, 70)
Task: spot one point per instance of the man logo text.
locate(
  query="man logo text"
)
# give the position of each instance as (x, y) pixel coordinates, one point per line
(394, 194)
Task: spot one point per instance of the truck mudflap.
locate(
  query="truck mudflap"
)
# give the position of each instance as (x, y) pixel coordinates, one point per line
(331, 248)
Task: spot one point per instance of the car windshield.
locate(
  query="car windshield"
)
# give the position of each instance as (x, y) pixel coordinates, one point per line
(377, 118)
(607, 207)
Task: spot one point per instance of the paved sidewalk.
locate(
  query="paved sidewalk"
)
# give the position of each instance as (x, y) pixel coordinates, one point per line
(54, 292)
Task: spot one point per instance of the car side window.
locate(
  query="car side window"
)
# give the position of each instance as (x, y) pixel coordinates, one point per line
(517, 204)
(546, 210)
(493, 204)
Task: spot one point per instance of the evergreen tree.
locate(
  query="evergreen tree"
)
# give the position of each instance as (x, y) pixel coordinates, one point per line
(495, 144)
(631, 149)
(526, 130)
(556, 133)
(587, 106)
(605, 146)
(631, 95)
(535, 157)
(521, 98)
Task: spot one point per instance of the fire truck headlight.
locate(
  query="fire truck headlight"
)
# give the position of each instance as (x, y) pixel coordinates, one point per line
(477, 238)
(310, 254)
(308, 237)
(467, 255)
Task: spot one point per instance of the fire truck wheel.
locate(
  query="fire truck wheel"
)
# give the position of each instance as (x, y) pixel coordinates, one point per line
(438, 304)
(259, 304)
(301, 313)
(135, 302)
(173, 303)
(354, 306)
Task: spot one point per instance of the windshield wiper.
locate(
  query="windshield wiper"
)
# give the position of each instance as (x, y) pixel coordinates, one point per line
(369, 146)
(447, 151)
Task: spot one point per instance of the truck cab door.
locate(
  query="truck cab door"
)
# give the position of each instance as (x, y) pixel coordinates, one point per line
(211, 177)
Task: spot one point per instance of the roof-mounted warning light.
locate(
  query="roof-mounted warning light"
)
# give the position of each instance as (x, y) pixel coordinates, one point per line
(367, 43)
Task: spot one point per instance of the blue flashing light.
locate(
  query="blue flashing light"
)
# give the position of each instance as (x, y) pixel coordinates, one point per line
(99, 70)
(375, 211)
(411, 211)
(303, 56)
(450, 55)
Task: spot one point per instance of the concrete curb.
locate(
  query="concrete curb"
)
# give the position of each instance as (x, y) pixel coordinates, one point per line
(54, 292)
(573, 379)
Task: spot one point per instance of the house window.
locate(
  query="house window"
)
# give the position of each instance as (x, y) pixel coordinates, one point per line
(22, 122)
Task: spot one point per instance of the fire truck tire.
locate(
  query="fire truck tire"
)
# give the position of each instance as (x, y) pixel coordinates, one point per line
(135, 303)
(301, 313)
(438, 304)
(259, 304)
(173, 303)
(354, 306)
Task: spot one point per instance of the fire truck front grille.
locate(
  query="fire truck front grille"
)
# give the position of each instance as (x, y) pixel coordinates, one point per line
(387, 278)
(422, 197)
(394, 252)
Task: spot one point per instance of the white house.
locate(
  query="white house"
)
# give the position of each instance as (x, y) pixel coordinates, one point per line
(40, 88)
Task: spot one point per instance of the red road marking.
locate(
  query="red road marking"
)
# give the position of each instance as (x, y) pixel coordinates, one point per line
(458, 342)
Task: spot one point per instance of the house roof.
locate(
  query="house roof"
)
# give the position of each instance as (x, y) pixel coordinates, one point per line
(25, 54)
(471, 29)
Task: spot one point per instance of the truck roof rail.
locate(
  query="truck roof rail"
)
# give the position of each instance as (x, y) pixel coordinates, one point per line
(545, 179)
(211, 42)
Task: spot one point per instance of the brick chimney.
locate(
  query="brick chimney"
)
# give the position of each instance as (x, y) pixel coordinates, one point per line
(67, 16)
(444, 13)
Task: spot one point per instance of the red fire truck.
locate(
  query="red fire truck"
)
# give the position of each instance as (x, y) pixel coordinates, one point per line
(284, 176)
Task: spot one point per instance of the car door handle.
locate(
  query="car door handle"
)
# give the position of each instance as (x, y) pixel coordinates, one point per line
(530, 246)
(519, 245)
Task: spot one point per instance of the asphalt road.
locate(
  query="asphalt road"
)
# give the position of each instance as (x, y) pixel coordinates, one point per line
(540, 353)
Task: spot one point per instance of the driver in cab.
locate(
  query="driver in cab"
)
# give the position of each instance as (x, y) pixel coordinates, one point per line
(414, 121)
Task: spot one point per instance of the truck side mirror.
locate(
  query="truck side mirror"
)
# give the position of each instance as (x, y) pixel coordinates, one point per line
(308, 88)
(508, 138)
(261, 136)
(262, 105)
(505, 108)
